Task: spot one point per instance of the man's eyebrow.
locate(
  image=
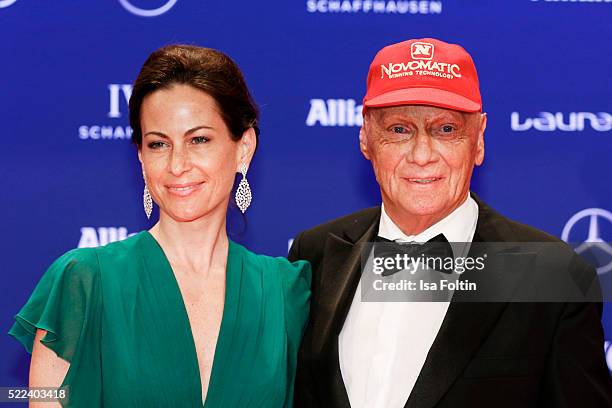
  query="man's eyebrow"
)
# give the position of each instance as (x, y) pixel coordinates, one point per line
(383, 116)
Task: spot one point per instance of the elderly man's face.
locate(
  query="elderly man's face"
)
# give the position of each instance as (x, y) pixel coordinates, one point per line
(423, 157)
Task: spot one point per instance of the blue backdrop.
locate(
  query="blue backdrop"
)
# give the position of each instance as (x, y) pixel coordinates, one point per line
(71, 177)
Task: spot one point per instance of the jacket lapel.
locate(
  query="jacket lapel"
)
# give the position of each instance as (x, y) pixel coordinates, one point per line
(340, 271)
(464, 328)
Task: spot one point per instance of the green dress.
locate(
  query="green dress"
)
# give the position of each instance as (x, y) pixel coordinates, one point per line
(117, 315)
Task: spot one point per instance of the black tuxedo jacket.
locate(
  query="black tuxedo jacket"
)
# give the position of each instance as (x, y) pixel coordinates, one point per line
(484, 355)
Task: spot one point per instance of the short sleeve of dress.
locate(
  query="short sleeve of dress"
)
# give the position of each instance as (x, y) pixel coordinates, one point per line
(296, 279)
(67, 304)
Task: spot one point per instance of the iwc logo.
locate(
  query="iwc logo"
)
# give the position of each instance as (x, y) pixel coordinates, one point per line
(148, 12)
(7, 3)
(117, 128)
(593, 247)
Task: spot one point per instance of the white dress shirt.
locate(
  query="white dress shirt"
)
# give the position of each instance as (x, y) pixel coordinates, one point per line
(383, 345)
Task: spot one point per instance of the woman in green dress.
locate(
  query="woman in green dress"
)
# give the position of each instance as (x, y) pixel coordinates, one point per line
(177, 316)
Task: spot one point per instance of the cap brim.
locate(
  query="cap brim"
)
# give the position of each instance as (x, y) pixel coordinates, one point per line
(424, 96)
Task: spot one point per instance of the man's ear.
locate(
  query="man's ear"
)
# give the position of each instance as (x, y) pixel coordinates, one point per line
(363, 142)
(480, 148)
(246, 147)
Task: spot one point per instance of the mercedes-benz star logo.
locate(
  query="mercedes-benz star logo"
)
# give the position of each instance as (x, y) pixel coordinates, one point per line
(142, 12)
(593, 240)
(6, 3)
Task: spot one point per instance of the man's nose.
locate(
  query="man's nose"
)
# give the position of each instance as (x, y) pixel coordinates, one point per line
(422, 151)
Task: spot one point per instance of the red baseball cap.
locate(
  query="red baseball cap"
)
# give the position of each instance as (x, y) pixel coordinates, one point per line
(423, 72)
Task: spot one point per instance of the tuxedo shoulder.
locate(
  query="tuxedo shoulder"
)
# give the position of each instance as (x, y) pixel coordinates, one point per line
(310, 244)
(513, 231)
(495, 227)
(527, 233)
(357, 221)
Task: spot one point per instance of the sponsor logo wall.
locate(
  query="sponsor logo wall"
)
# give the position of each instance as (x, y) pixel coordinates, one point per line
(92, 237)
(6, 3)
(594, 220)
(374, 6)
(114, 128)
(150, 10)
(71, 177)
(334, 112)
(562, 121)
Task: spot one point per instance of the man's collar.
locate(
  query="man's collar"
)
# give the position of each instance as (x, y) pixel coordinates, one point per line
(458, 226)
(490, 227)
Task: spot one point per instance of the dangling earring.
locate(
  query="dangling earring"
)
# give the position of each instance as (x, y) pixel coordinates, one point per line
(148, 202)
(243, 193)
(146, 199)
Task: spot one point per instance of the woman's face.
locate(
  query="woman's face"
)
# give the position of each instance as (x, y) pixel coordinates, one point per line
(188, 157)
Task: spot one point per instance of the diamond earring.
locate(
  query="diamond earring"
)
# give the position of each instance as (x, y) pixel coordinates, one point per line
(148, 202)
(243, 193)
(146, 198)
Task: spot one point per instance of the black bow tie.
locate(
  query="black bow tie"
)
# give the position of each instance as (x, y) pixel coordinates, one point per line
(437, 247)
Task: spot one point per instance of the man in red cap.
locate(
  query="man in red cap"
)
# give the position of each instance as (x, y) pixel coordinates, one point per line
(423, 132)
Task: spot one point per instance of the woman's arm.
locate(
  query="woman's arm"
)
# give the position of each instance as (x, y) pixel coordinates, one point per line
(46, 369)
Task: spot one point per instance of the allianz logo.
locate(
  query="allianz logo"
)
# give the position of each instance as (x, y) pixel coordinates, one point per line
(565, 122)
(92, 237)
(334, 112)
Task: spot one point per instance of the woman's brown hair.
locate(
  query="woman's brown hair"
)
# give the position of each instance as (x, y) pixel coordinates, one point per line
(202, 68)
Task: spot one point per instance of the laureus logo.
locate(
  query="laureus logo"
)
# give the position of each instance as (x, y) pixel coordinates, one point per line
(162, 8)
(563, 121)
(7, 3)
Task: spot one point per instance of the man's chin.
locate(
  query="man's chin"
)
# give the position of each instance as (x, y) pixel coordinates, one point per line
(412, 210)
(421, 207)
(421, 211)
